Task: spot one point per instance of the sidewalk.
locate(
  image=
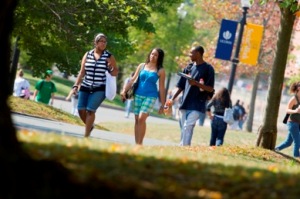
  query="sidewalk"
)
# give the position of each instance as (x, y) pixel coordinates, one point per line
(44, 125)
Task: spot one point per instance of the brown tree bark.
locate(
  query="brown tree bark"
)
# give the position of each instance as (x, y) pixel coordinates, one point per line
(268, 130)
(21, 176)
(9, 145)
(252, 103)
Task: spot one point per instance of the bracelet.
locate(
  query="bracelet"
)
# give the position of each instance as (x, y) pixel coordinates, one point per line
(111, 70)
(74, 86)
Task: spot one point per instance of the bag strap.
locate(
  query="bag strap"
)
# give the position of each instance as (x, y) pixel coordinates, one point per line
(41, 85)
(142, 68)
(297, 99)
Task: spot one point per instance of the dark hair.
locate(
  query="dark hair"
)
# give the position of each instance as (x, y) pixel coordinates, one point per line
(223, 95)
(199, 49)
(48, 73)
(294, 86)
(160, 58)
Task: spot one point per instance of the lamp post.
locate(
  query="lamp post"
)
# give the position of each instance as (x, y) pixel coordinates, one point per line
(245, 5)
(181, 14)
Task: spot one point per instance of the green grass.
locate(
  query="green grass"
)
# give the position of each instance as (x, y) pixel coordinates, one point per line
(235, 170)
(171, 172)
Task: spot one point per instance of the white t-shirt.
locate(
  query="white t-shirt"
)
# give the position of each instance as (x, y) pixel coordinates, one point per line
(20, 83)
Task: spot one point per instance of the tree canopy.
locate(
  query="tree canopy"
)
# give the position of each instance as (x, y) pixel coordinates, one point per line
(60, 32)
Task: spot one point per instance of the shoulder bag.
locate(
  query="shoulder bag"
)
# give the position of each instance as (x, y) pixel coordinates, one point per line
(111, 86)
(130, 92)
(228, 116)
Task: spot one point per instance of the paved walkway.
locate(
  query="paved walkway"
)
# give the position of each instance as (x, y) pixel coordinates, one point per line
(103, 114)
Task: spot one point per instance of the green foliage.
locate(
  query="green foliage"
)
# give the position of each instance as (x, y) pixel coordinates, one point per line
(62, 31)
(292, 5)
(293, 79)
(173, 35)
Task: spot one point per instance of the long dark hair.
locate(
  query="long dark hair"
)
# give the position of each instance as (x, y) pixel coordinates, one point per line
(160, 58)
(223, 95)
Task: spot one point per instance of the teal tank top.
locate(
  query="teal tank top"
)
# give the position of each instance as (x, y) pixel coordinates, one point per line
(147, 84)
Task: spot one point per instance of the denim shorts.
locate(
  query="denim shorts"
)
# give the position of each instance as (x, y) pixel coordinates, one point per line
(143, 104)
(90, 100)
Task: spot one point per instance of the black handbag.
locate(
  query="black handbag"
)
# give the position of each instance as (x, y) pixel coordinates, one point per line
(286, 118)
(130, 92)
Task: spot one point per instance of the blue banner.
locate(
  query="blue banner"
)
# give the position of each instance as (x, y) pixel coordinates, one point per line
(226, 39)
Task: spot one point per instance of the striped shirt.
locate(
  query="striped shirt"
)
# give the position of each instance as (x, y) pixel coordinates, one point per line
(95, 70)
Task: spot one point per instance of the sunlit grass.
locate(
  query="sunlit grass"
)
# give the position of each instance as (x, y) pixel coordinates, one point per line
(30, 107)
(186, 172)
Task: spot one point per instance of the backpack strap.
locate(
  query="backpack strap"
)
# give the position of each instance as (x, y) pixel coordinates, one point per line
(42, 83)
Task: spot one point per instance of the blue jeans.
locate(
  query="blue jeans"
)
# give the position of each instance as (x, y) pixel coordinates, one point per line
(293, 136)
(90, 101)
(202, 118)
(218, 130)
(241, 123)
(188, 121)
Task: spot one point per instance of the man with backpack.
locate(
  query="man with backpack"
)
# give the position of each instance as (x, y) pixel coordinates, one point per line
(243, 115)
(236, 116)
(45, 89)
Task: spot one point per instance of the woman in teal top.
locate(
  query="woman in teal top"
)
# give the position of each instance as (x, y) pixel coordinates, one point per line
(147, 92)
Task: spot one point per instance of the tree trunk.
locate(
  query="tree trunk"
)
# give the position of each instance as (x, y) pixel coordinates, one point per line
(252, 103)
(268, 130)
(20, 176)
(9, 145)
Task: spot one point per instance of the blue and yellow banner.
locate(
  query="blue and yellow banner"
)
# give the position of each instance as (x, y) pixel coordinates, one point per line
(251, 44)
(226, 39)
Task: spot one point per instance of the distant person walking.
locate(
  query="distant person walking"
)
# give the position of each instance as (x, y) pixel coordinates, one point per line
(193, 102)
(45, 89)
(243, 115)
(220, 101)
(293, 108)
(236, 116)
(94, 64)
(147, 93)
(73, 95)
(128, 102)
(21, 86)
